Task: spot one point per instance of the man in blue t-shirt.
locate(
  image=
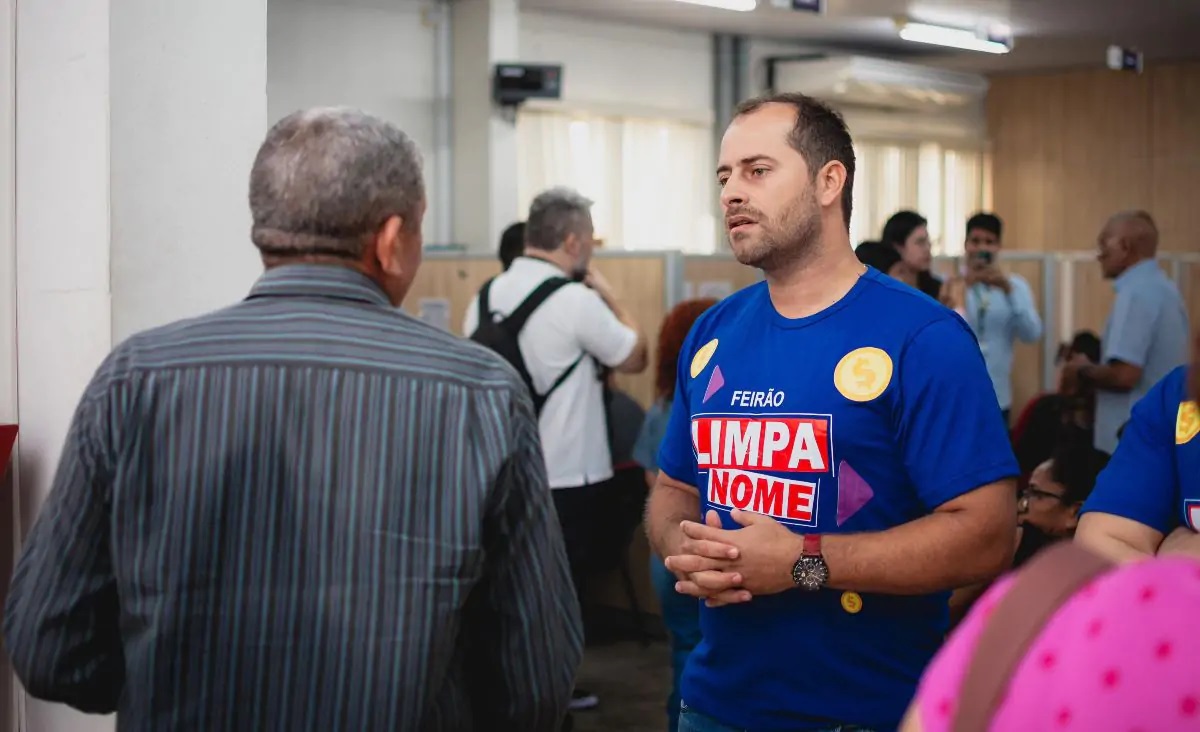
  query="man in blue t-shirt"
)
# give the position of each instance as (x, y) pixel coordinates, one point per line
(1147, 501)
(839, 434)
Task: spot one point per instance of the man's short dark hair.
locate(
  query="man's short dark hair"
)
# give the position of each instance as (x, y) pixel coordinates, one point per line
(819, 135)
(988, 222)
(512, 243)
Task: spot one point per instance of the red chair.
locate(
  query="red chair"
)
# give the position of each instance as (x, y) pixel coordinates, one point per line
(8, 436)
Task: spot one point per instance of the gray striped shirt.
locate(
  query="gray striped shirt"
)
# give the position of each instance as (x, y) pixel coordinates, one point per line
(308, 511)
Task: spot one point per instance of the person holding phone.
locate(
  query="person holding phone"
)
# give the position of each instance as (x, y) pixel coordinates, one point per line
(999, 306)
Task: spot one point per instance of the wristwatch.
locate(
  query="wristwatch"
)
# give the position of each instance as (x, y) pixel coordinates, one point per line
(810, 571)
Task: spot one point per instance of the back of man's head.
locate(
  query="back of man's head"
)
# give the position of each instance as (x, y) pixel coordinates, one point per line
(554, 215)
(512, 243)
(1138, 229)
(325, 181)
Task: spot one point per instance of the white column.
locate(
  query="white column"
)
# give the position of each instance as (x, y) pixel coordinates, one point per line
(189, 110)
(8, 319)
(63, 324)
(485, 140)
(136, 125)
(8, 249)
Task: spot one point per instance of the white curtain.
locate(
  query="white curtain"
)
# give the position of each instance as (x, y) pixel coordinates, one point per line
(652, 180)
(944, 184)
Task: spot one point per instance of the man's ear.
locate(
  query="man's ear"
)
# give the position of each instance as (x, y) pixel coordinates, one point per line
(389, 246)
(830, 182)
(571, 244)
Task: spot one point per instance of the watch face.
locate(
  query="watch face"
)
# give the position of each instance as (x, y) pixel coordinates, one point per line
(810, 573)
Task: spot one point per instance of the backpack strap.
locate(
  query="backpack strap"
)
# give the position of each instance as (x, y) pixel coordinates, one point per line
(516, 319)
(515, 322)
(1047, 581)
(539, 400)
(485, 309)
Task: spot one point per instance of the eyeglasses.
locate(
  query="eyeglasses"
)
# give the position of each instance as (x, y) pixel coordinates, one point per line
(1029, 493)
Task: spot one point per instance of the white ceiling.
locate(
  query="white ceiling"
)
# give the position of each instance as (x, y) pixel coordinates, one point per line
(1049, 33)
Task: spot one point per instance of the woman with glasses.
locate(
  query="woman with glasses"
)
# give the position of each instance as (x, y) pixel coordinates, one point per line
(1049, 507)
(1048, 510)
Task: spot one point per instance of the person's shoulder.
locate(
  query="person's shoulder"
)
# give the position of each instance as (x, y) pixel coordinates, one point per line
(1161, 404)
(731, 307)
(1019, 281)
(381, 339)
(471, 362)
(905, 310)
(1173, 388)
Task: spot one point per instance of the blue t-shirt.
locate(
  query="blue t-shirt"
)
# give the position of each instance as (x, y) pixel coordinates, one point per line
(860, 418)
(1154, 476)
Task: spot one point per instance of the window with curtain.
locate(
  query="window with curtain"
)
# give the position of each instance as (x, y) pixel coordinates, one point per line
(944, 184)
(652, 180)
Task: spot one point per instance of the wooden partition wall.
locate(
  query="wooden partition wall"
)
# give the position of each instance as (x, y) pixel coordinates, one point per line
(1071, 148)
(705, 275)
(1091, 296)
(452, 279)
(1028, 374)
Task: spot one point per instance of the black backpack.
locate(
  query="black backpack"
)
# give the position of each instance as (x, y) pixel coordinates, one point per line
(500, 335)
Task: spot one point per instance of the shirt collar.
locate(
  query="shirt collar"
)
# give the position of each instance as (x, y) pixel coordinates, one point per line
(534, 265)
(1135, 272)
(318, 280)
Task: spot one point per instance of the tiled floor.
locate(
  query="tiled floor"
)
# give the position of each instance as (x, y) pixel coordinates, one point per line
(632, 682)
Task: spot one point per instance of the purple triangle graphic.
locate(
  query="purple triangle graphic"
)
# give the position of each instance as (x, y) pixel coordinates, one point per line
(853, 492)
(715, 382)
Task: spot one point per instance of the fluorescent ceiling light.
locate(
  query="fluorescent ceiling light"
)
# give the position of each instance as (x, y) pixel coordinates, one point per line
(940, 35)
(743, 5)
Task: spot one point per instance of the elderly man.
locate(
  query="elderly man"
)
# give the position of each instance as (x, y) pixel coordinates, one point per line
(1147, 330)
(307, 511)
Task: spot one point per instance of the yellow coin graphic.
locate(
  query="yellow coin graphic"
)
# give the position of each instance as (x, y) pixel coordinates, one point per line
(851, 602)
(863, 374)
(703, 356)
(1187, 424)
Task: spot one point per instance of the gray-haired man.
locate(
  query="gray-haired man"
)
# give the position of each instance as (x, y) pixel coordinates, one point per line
(307, 511)
(581, 327)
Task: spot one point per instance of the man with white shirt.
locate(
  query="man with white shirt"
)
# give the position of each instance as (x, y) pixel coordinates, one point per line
(567, 341)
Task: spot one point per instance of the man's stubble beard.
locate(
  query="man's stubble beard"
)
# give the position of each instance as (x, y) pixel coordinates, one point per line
(782, 244)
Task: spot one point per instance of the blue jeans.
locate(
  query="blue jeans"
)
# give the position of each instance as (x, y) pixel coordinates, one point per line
(693, 721)
(681, 615)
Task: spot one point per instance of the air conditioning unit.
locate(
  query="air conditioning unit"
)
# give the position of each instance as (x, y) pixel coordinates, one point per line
(884, 99)
(861, 81)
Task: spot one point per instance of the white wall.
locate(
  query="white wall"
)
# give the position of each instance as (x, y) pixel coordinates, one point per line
(376, 55)
(180, 217)
(624, 69)
(379, 55)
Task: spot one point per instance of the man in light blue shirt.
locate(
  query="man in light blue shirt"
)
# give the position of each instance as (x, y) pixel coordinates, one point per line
(1146, 336)
(998, 306)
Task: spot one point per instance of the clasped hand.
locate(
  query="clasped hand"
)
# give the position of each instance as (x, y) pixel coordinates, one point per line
(724, 567)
